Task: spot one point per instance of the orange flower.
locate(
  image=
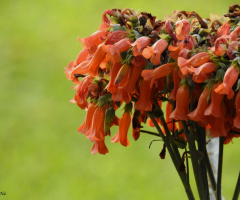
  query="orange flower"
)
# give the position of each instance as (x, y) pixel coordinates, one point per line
(157, 73)
(237, 106)
(197, 60)
(145, 98)
(114, 68)
(82, 92)
(201, 73)
(105, 20)
(121, 95)
(155, 51)
(182, 104)
(169, 29)
(139, 45)
(219, 126)
(115, 37)
(113, 51)
(235, 34)
(91, 43)
(174, 51)
(134, 73)
(230, 78)
(219, 48)
(223, 30)
(98, 57)
(96, 131)
(99, 147)
(215, 105)
(198, 114)
(88, 120)
(187, 44)
(121, 135)
(182, 30)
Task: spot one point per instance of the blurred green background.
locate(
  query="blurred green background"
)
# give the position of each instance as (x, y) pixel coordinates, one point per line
(42, 156)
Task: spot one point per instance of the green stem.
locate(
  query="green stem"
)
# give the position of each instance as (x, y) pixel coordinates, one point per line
(237, 189)
(168, 135)
(174, 159)
(195, 162)
(201, 139)
(219, 175)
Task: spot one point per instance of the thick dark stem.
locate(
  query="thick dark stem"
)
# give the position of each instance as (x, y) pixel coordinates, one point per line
(201, 139)
(195, 161)
(174, 159)
(219, 175)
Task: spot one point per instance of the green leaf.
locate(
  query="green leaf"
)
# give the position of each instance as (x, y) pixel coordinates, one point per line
(103, 100)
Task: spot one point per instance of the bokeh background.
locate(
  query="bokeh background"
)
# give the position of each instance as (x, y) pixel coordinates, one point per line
(42, 156)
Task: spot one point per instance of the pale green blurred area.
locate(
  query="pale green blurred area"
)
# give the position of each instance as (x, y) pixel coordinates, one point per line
(42, 156)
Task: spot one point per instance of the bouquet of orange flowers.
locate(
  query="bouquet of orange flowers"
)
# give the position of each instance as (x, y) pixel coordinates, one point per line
(186, 67)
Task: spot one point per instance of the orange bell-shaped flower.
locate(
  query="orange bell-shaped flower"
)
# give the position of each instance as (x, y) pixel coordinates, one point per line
(145, 98)
(182, 104)
(88, 120)
(214, 109)
(198, 114)
(99, 147)
(139, 45)
(121, 135)
(155, 51)
(158, 72)
(229, 79)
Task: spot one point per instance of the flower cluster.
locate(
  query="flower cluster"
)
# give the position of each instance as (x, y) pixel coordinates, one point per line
(137, 61)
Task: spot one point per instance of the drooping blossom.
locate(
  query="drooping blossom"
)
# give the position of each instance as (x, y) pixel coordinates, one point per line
(223, 30)
(91, 43)
(113, 51)
(124, 125)
(182, 104)
(99, 147)
(197, 60)
(230, 78)
(96, 131)
(198, 114)
(219, 127)
(201, 73)
(134, 74)
(219, 48)
(88, 120)
(214, 109)
(139, 45)
(82, 92)
(158, 72)
(145, 98)
(154, 52)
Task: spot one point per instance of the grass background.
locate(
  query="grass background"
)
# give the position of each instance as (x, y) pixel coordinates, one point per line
(42, 156)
